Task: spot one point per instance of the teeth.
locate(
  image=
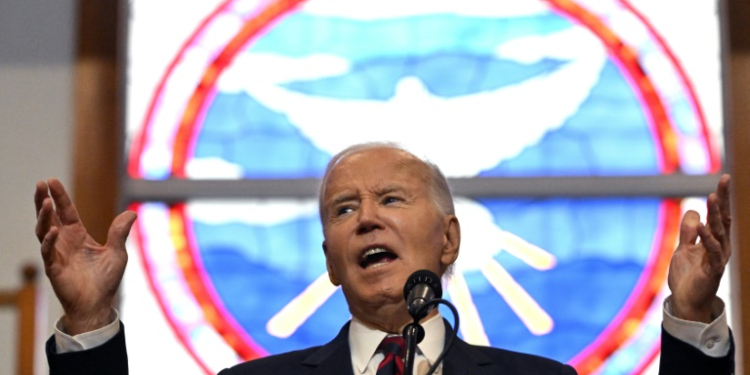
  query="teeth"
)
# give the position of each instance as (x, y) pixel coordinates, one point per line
(374, 251)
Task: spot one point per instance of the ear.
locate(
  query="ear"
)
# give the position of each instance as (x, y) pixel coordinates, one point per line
(331, 273)
(451, 241)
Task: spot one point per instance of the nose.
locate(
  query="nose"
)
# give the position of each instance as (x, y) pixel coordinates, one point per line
(369, 217)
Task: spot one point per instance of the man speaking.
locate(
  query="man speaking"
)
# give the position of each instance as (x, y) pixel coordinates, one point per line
(385, 214)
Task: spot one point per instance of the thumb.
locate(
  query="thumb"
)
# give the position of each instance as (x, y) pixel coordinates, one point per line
(689, 228)
(423, 368)
(120, 228)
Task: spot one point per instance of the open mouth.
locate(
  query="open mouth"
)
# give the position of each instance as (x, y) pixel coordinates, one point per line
(377, 256)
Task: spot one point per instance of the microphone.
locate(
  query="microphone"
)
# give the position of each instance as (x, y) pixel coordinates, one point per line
(421, 287)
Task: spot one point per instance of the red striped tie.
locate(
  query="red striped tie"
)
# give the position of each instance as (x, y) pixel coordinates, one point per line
(393, 348)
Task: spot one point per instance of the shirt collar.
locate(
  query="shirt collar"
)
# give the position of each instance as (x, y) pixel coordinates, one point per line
(364, 341)
(434, 338)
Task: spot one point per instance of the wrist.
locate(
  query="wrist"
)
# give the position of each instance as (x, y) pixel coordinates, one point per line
(687, 312)
(75, 324)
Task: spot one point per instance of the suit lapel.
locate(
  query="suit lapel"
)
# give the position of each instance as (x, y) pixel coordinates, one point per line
(333, 358)
(464, 359)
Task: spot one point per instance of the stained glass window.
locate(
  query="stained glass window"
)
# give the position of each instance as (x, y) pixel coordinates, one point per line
(237, 92)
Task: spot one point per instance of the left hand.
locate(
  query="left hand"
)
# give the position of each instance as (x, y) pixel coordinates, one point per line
(84, 274)
(696, 268)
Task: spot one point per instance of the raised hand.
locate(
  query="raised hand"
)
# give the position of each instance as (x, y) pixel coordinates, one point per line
(697, 267)
(84, 274)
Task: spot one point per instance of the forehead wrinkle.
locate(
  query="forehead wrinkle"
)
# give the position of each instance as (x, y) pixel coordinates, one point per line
(412, 162)
(389, 188)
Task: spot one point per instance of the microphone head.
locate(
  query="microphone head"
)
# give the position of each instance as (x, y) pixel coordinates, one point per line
(423, 277)
(421, 287)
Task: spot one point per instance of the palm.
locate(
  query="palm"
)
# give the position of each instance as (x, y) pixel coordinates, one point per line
(84, 274)
(688, 271)
(83, 271)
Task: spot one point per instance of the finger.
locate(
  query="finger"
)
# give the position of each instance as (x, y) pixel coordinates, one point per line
(40, 193)
(714, 220)
(120, 228)
(688, 229)
(44, 219)
(65, 207)
(714, 252)
(48, 243)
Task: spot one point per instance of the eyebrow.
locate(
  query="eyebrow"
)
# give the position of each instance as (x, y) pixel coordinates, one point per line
(340, 199)
(390, 189)
(345, 197)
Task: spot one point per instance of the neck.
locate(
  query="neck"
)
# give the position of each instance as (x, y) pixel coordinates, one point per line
(391, 323)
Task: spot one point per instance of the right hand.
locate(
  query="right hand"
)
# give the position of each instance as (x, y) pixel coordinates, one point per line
(84, 274)
(697, 266)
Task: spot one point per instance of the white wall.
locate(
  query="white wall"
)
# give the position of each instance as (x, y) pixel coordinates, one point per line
(37, 42)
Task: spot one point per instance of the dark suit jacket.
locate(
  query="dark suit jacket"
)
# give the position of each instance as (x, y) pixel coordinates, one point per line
(678, 358)
(335, 358)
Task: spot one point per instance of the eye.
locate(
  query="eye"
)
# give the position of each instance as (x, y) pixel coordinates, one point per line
(390, 199)
(343, 210)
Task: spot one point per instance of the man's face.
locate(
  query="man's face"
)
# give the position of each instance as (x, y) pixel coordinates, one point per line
(381, 224)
